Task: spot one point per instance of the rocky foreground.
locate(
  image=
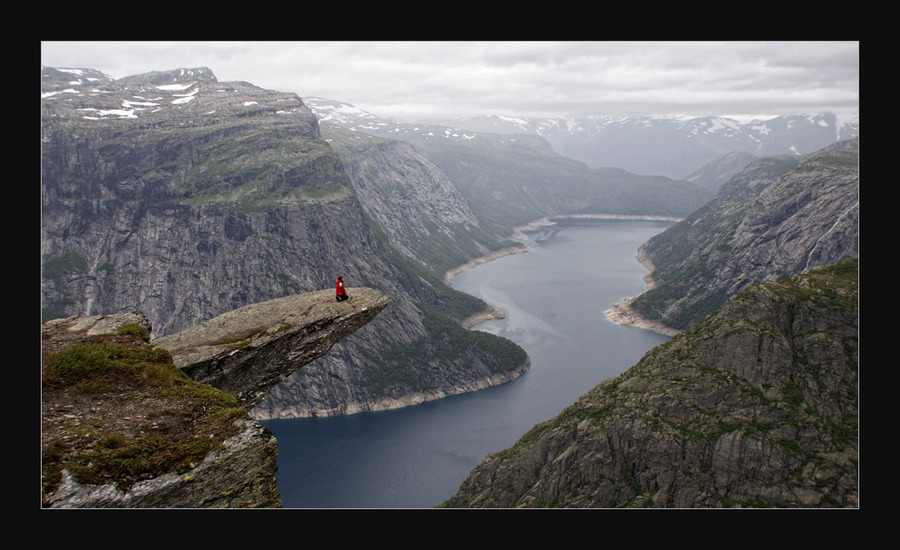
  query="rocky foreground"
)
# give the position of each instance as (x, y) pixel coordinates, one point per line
(126, 423)
(754, 406)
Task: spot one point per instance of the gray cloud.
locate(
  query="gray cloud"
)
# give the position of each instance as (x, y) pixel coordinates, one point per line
(409, 81)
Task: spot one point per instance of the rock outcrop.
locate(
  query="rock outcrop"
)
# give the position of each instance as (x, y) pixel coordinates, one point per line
(754, 406)
(127, 423)
(240, 474)
(248, 351)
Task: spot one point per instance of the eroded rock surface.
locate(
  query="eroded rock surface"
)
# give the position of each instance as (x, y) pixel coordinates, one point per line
(130, 430)
(248, 351)
(754, 406)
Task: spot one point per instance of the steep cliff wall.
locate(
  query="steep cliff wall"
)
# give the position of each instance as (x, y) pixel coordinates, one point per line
(779, 217)
(422, 213)
(754, 406)
(201, 198)
(177, 195)
(424, 227)
(511, 181)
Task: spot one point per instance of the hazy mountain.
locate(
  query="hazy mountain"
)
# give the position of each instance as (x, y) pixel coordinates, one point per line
(513, 179)
(675, 147)
(778, 217)
(670, 146)
(721, 169)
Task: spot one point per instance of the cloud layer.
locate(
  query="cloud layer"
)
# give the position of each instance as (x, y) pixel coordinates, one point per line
(411, 81)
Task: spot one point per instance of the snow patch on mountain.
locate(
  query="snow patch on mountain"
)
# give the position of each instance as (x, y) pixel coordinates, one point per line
(673, 146)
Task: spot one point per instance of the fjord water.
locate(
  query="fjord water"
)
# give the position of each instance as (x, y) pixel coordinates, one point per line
(554, 298)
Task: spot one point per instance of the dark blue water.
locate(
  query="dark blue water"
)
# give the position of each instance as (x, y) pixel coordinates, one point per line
(554, 298)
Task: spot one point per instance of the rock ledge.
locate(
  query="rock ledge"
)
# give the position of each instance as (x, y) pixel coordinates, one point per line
(248, 351)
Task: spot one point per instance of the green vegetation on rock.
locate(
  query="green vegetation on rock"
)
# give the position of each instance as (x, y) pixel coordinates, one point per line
(118, 411)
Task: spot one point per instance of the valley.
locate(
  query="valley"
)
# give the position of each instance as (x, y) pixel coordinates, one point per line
(182, 197)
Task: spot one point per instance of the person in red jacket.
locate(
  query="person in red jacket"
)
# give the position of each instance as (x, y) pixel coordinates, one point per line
(339, 291)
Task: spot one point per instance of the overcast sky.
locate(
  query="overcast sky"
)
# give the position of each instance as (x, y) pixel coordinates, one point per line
(413, 81)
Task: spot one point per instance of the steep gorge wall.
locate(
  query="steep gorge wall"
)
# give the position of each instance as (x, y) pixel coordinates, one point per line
(778, 217)
(189, 212)
(424, 216)
(209, 196)
(424, 227)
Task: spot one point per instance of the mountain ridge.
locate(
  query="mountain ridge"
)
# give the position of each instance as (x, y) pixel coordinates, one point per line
(776, 218)
(157, 193)
(672, 146)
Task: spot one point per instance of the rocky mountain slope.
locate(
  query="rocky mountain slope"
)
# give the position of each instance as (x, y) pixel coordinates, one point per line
(754, 406)
(150, 182)
(423, 215)
(183, 197)
(713, 175)
(779, 217)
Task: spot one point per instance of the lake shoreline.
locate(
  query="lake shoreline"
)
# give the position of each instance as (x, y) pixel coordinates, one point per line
(623, 314)
(620, 313)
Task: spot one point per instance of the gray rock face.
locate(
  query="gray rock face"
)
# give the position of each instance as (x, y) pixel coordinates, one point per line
(248, 351)
(241, 474)
(423, 215)
(779, 217)
(754, 406)
(718, 172)
(183, 197)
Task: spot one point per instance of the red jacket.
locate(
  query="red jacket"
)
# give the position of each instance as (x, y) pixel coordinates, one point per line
(339, 288)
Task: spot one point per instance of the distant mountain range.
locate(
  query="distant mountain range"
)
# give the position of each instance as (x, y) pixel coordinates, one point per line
(675, 147)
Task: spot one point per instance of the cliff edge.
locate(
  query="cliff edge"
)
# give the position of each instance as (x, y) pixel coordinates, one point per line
(248, 351)
(125, 424)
